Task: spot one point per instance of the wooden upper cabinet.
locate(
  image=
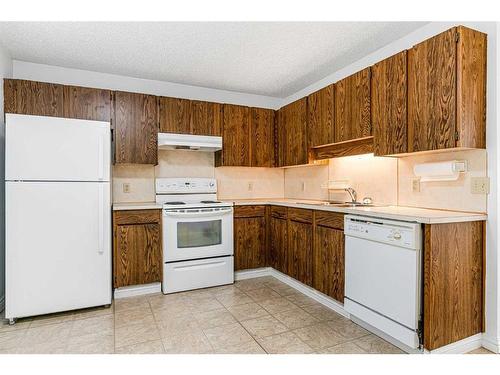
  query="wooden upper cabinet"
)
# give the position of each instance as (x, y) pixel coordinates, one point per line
(33, 98)
(136, 128)
(205, 118)
(174, 115)
(236, 133)
(320, 111)
(447, 91)
(388, 103)
(292, 134)
(352, 107)
(87, 103)
(261, 137)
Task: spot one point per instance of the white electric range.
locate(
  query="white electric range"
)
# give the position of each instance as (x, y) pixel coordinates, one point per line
(197, 234)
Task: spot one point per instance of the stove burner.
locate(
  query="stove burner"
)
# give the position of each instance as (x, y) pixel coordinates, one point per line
(176, 203)
(210, 202)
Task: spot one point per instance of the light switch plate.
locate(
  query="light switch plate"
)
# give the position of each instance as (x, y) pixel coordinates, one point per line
(415, 185)
(480, 185)
(126, 187)
(250, 186)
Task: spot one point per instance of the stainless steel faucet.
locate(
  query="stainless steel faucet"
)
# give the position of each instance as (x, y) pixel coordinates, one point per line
(352, 193)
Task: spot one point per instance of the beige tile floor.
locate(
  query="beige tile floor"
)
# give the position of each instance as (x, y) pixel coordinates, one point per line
(254, 316)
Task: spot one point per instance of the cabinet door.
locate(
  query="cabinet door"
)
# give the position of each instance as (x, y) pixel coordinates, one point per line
(293, 124)
(138, 256)
(87, 103)
(300, 251)
(352, 107)
(262, 137)
(174, 115)
(278, 258)
(432, 93)
(206, 118)
(136, 128)
(249, 242)
(328, 262)
(320, 109)
(33, 98)
(389, 94)
(236, 136)
(280, 138)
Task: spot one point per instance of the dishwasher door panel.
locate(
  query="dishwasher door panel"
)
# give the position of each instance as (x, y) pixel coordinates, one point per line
(384, 278)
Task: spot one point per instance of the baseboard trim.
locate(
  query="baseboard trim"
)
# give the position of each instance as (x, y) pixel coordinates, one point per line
(304, 289)
(253, 273)
(492, 344)
(460, 347)
(137, 290)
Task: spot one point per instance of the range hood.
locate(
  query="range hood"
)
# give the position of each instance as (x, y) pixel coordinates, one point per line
(171, 141)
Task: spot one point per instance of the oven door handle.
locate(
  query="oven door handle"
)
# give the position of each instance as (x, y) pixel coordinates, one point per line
(199, 213)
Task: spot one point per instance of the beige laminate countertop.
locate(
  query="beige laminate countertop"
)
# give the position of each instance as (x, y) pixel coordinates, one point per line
(419, 215)
(137, 206)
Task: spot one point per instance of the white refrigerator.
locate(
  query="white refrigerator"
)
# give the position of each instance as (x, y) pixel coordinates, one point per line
(58, 215)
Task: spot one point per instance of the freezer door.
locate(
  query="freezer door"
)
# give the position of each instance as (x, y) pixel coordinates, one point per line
(56, 149)
(58, 247)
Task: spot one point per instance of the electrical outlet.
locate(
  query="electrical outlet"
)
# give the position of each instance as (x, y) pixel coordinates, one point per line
(250, 186)
(415, 185)
(126, 187)
(480, 185)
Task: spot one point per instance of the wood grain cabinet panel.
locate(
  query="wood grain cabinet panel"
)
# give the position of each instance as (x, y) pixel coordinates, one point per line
(320, 122)
(205, 118)
(136, 128)
(292, 134)
(352, 107)
(300, 248)
(278, 238)
(432, 93)
(388, 96)
(471, 88)
(33, 98)
(250, 237)
(235, 136)
(453, 282)
(87, 103)
(137, 253)
(175, 115)
(328, 262)
(261, 137)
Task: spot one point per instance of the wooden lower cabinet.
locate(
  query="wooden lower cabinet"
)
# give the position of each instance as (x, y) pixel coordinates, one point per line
(453, 282)
(278, 241)
(250, 237)
(137, 250)
(300, 245)
(329, 255)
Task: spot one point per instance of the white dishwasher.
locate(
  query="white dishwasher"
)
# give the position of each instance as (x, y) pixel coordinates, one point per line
(383, 268)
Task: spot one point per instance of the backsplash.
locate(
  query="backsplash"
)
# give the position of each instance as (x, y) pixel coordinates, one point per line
(370, 176)
(449, 195)
(248, 183)
(305, 182)
(386, 180)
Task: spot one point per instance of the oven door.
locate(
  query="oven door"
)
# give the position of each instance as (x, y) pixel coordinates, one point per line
(197, 233)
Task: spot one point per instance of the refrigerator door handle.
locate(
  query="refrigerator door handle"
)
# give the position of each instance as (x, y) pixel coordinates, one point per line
(100, 221)
(100, 159)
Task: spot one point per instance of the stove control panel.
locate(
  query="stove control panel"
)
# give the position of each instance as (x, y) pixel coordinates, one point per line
(185, 185)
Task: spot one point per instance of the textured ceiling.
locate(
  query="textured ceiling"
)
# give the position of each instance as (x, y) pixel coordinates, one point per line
(275, 59)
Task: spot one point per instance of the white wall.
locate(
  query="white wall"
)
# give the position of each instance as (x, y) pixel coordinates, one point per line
(67, 76)
(5, 72)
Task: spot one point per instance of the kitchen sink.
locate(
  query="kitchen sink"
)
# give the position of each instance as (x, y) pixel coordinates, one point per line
(336, 204)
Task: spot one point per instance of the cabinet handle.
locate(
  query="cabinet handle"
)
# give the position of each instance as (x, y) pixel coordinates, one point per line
(100, 151)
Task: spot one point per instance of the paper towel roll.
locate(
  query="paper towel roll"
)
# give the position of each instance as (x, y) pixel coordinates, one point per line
(442, 171)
